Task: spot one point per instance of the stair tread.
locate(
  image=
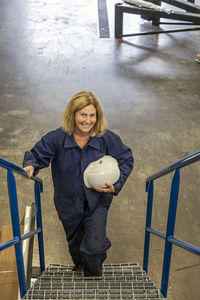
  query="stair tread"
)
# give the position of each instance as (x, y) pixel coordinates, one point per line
(118, 282)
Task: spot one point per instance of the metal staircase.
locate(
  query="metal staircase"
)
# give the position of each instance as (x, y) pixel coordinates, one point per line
(118, 282)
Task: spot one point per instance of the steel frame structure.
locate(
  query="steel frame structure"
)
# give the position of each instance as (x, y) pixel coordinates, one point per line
(191, 16)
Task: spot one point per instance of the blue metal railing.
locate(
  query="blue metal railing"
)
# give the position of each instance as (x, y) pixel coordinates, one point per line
(17, 237)
(169, 235)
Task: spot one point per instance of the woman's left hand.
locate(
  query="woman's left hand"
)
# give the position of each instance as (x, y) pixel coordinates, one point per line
(109, 189)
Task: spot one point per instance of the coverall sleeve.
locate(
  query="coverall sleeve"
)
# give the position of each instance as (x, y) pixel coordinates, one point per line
(124, 156)
(41, 154)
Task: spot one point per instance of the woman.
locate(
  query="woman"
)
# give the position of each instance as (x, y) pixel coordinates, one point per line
(83, 211)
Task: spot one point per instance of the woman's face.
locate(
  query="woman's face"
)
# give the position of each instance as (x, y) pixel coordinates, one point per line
(85, 119)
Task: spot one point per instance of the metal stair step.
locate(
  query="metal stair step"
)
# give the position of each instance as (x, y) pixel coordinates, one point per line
(118, 282)
(100, 285)
(99, 291)
(80, 277)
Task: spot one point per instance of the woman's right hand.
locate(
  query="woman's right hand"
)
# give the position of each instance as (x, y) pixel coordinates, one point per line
(30, 170)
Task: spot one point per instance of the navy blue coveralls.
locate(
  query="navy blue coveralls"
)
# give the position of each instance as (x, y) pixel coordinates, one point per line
(82, 211)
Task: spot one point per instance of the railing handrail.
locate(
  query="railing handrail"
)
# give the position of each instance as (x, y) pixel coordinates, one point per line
(17, 236)
(16, 240)
(169, 238)
(10, 166)
(187, 160)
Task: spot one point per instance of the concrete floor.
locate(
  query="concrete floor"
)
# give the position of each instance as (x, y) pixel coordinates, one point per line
(150, 90)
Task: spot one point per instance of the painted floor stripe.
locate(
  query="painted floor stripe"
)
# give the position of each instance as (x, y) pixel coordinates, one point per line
(104, 31)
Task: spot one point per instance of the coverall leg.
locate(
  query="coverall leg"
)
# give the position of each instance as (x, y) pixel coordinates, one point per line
(87, 240)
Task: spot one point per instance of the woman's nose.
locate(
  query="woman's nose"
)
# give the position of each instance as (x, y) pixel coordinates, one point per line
(87, 119)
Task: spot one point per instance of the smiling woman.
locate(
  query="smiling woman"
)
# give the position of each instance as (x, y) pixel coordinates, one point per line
(84, 103)
(83, 139)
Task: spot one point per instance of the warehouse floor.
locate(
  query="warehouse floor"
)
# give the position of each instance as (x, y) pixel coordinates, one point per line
(149, 87)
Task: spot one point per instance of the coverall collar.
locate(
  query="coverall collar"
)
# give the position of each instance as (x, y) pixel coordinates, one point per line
(71, 143)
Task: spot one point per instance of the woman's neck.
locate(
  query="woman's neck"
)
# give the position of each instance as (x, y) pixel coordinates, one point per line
(81, 139)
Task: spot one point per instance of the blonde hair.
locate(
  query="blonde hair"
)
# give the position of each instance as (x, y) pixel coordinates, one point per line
(78, 102)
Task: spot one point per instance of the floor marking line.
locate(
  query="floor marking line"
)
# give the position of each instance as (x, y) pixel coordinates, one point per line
(104, 31)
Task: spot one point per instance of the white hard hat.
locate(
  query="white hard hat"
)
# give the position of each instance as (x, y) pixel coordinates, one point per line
(101, 171)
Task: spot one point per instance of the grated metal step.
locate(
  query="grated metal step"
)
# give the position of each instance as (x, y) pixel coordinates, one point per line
(118, 282)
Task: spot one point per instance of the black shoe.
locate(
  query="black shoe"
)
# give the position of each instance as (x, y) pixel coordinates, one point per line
(77, 268)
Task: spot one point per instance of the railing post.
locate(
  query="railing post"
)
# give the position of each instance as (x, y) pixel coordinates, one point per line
(150, 188)
(38, 187)
(170, 231)
(16, 231)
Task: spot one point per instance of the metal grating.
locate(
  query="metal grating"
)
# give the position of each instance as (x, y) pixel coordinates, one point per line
(119, 282)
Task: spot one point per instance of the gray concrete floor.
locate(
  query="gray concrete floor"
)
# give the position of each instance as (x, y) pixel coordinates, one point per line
(150, 90)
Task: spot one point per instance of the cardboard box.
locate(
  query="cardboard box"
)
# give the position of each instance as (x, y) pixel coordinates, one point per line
(8, 267)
